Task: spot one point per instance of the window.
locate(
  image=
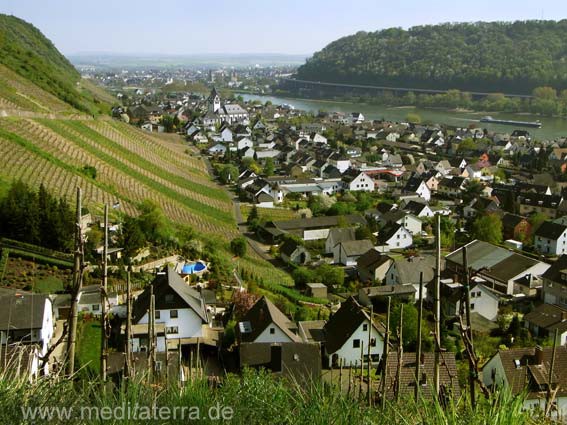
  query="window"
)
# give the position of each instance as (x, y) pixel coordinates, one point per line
(173, 314)
(472, 306)
(95, 307)
(356, 343)
(272, 331)
(158, 314)
(172, 330)
(373, 342)
(365, 327)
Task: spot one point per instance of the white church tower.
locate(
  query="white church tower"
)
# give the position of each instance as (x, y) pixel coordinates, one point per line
(214, 101)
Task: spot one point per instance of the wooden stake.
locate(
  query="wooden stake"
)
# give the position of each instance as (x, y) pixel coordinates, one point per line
(385, 356)
(103, 298)
(78, 267)
(340, 374)
(400, 353)
(472, 368)
(418, 351)
(128, 325)
(437, 294)
(349, 378)
(361, 368)
(550, 392)
(370, 327)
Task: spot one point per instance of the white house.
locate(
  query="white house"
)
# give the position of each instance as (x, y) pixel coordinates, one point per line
(319, 139)
(418, 186)
(409, 221)
(243, 143)
(264, 322)
(551, 238)
(26, 318)
(525, 370)
(395, 236)
(357, 181)
(349, 330)
(218, 149)
(483, 301)
(418, 209)
(90, 300)
(179, 307)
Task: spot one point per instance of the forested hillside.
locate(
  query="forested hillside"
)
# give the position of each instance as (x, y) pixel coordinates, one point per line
(486, 57)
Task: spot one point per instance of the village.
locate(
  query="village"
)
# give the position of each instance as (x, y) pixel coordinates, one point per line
(437, 256)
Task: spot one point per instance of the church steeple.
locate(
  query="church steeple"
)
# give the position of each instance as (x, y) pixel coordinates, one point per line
(214, 100)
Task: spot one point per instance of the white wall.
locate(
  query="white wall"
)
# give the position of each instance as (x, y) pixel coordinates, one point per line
(188, 323)
(311, 235)
(351, 355)
(277, 336)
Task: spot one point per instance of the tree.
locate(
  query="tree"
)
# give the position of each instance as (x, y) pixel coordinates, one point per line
(168, 123)
(153, 223)
(238, 246)
(302, 276)
(131, 239)
(269, 167)
(447, 228)
(410, 327)
(413, 118)
(488, 228)
(330, 275)
(228, 174)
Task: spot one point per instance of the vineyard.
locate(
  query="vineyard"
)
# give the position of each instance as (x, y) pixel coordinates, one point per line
(131, 167)
(269, 214)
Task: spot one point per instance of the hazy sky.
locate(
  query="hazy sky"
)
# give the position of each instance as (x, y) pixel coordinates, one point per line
(247, 26)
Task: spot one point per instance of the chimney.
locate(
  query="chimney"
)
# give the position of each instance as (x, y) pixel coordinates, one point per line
(538, 355)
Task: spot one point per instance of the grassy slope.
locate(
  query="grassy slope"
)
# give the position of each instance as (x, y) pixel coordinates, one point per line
(27, 52)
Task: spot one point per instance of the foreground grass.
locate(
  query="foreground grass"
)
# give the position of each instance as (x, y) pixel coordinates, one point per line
(254, 398)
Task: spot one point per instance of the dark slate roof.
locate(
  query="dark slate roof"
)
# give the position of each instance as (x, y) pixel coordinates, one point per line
(356, 248)
(546, 315)
(448, 376)
(170, 283)
(550, 230)
(387, 232)
(343, 323)
(413, 184)
(531, 375)
(554, 272)
(539, 200)
(260, 316)
(300, 360)
(409, 269)
(312, 330)
(414, 207)
(453, 183)
(22, 311)
(342, 234)
(289, 247)
(372, 259)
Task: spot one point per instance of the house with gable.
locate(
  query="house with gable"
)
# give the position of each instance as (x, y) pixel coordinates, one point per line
(348, 252)
(551, 238)
(394, 236)
(338, 235)
(417, 185)
(264, 322)
(346, 331)
(179, 307)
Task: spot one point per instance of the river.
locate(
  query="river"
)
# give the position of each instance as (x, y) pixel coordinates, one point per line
(552, 128)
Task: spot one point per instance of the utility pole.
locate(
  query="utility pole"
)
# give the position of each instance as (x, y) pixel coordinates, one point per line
(128, 325)
(385, 355)
(418, 351)
(437, 305)
(472, 368)
(77, 283)
(361, 369)
(103, 298)
(150, 335)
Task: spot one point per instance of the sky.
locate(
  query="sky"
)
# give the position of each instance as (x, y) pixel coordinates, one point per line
(184, 27)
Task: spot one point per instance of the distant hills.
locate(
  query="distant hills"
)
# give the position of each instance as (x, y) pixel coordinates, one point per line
(487, 57)
(133, 61)
(34, 75)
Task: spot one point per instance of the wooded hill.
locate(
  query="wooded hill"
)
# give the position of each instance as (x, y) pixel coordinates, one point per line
(483, 57)
(35, 76)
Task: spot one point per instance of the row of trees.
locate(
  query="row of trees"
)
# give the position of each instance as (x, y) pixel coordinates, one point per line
(36, 217)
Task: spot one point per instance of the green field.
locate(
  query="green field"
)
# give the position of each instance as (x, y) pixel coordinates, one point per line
(88, 346)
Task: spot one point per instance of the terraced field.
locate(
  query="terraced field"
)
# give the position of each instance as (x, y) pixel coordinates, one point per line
(130, 167)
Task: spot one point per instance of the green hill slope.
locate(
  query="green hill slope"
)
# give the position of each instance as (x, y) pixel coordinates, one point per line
(485, 57)
(46, 75)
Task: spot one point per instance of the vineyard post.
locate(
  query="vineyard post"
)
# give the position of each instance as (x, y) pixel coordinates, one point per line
(103, 299)
(77, 282)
